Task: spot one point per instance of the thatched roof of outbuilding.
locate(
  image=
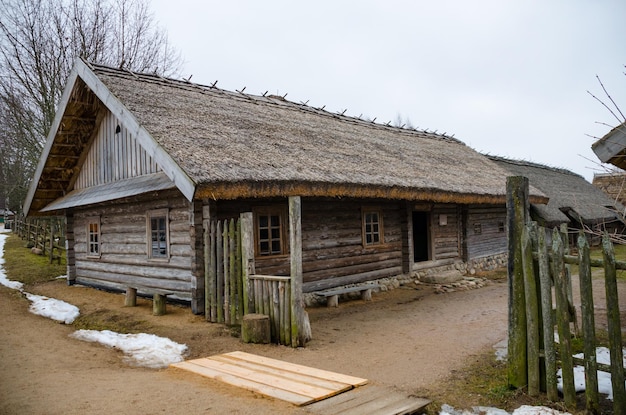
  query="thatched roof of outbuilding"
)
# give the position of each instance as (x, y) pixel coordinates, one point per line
(219, 144)
(572, 198)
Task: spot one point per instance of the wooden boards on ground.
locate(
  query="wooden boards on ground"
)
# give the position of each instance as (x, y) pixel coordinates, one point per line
(290, 382)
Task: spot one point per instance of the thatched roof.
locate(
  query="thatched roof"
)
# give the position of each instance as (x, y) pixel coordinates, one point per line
(224, 145)
(572, 198)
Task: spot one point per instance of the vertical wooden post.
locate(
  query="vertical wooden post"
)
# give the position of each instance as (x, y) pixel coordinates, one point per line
(226, 280)
(70, 255)
(300, 328)
(247, 261)
(51, 253)
(219, 265)
(197, 233)
(562, 318)
(568, 279)
(532, 313)
(546, 314)
(406, 229)
(614, 327)
(588, 323)
(517, 205)
(232, 271)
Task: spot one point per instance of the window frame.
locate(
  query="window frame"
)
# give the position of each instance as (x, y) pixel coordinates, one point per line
(281, 212)
(155, 214)
(365, 211)
(94, 220)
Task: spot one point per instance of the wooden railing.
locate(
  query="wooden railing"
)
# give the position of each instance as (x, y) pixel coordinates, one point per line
(45, 235)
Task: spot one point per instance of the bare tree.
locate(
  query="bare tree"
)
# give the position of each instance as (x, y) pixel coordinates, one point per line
(39, 41)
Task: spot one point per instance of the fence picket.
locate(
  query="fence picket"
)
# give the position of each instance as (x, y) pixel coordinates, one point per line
(545, 283)
(562, 318)
(614, 327)
(532, 312)
(588, 326)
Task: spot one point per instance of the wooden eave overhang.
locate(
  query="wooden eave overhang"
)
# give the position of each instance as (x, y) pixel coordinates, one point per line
(79, 112)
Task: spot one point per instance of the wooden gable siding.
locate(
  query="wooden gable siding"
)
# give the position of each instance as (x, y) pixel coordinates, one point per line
(446, 232)
(332, 244)
(124, 257)
(114, 156)
(492, 239)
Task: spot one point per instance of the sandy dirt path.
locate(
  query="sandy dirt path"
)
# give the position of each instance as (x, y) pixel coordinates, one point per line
(406, 338)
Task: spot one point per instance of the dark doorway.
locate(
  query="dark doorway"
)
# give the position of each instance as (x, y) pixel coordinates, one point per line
(420, 236)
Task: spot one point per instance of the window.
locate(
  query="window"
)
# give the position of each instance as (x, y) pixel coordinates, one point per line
(372, 227)
(501, 227)
(158, 234)
(270, 231)
(478, 228)
(93, 234)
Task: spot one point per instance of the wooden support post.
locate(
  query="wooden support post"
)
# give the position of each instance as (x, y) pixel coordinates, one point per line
(300, 327)
(532, 313)
(131, 297)
(568, 280)
(563, 320)
(614, 327)
(589, 327)
(517, 205)
(546, 315)
(247, 261)
(158, 304)
(208, 227)
(70, 254)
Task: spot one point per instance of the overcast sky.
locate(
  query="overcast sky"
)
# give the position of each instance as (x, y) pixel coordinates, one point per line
(508, 78)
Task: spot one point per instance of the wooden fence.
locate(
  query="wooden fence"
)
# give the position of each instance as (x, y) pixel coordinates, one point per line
(232, 290)
(47, 235)
(534, 270)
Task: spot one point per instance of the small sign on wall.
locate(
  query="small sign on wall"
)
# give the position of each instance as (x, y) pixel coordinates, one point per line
(443, 220)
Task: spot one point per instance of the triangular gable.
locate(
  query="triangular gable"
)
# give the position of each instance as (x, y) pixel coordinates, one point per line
(114, 155)
(86, 101)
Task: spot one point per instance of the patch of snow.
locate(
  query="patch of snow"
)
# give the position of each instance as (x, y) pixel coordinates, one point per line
(15, 285)
(52, 308)
(483, 410)
(146, 350)
(603, 355)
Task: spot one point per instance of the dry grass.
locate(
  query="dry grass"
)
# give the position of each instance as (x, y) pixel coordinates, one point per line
(24, 266)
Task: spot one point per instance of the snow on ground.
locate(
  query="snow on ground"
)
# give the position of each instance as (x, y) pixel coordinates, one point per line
(52, 308)
(141, 349)
(146, 350)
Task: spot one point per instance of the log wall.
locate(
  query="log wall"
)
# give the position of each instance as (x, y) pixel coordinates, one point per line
(492, 238)
(445, 232)
(124, 258)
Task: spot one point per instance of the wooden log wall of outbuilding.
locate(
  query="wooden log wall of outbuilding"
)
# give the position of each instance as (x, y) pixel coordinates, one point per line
(124, 258)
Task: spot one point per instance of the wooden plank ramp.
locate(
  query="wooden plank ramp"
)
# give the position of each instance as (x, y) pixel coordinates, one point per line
(300, 385)
(369, 400)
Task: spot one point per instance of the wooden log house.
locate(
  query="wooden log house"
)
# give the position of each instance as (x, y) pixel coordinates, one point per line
(139, 164)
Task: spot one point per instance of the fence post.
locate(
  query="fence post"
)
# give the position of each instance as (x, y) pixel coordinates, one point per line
(588, 323)
(532, 313)
(517, 206)
(546, 314)
(563, 320)
(614, 327)
(247, 261)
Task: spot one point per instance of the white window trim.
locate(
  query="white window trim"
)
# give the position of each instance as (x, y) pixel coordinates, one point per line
(94, 220)
(152, 214)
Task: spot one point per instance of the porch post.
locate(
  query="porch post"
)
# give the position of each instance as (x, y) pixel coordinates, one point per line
(406, 227)
(300, 328)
